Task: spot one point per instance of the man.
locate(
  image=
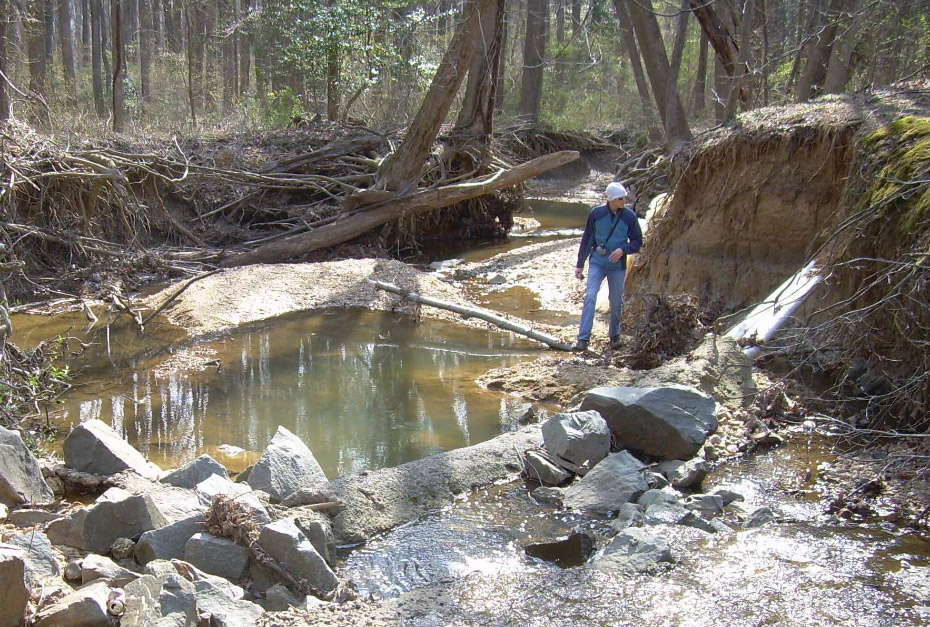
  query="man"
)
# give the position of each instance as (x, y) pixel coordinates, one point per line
(611, 233)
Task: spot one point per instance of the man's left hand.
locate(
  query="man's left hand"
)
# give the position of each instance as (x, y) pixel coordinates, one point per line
(615, 256)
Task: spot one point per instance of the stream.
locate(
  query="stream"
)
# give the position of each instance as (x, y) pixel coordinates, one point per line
(371, 390)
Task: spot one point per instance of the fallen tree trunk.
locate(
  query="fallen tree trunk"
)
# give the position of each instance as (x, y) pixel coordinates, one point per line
(350, 226)
(503, 323)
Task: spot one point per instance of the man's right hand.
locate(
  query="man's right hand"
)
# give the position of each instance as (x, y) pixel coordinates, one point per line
(579, 273)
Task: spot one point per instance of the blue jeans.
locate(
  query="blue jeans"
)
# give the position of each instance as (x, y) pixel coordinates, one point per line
(596, 276)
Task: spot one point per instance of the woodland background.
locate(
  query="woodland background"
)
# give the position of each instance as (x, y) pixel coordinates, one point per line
(666, 68)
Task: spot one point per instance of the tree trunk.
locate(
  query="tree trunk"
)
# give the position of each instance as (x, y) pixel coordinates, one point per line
(671, 95)
(653, 51)
(632, 51)
(6, 14)
(48, 8)
(799, 33)
(477, 114)
(742, 60)
(146, 48)
(96, 36)
(359, 222)
(471, 312)
(229, 17)
(719, 31)
(815, 69)
(38, 61)
(210, 71)
(699, 92)
(332, 81)
(576, 17)
(158, 30)
(119, 101)
(839, 67)
(534, 59)
(400, 171)
(245, 49)
(85, 33)
(196, 33)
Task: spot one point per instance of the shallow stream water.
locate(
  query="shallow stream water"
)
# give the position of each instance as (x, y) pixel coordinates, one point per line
(807, 569)
(370, 390)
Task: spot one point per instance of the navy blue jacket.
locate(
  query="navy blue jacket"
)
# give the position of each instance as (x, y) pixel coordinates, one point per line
(626, 234)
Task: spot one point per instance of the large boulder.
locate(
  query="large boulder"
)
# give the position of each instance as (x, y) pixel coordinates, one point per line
(675, 514)
(118, 513)
(94, 447)
(115, 514)
(285, 543)
(634, 551)
(319, 530)
(21, 479)
(615, 481)
(97, 567)
(68, 531)
(217, 556)
(286, 466)
(86, 606)
(567, 552)
(168, 542)
(380, 500)
(684, 474)
(670, 422)
(14, 591)
(176, 593)
(539, 466)
(41, 558)
(192, 473)
(717, 366)
(578, 440)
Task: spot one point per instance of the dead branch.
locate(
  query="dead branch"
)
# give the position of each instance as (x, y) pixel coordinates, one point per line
(374, 215)
(471, 312)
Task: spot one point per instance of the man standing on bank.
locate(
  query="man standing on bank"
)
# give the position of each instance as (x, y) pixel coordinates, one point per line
(611, 233)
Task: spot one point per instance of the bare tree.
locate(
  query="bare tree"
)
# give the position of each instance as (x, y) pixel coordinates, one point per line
(699, 92)
(400, 171)
(812, 77)
(119, 99)
(146, 49)
(477, 114)
(840, 65)
(96, 21)
(534, 58)
(652, 48)
(36, 25)
(6, 13)
(632, 51)
(65, 36)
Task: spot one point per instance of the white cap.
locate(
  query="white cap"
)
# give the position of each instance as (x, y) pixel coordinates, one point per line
(615, 190)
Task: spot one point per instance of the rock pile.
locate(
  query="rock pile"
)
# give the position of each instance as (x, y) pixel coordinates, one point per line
(191, 546)
(166, 565)
(651, 479)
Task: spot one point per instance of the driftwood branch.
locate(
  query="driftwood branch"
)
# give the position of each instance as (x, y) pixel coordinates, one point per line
(353, 225)
(503, 323)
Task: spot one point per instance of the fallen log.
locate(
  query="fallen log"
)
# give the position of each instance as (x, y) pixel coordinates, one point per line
(350, 226)
(469, 312)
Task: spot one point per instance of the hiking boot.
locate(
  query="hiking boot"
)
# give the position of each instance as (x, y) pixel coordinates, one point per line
(616, 343)
(580, 345)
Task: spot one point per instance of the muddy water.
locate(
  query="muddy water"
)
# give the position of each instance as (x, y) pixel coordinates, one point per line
(364, 390)
(804, 570)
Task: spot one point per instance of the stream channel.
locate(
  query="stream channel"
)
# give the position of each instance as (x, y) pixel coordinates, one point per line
(370, 390)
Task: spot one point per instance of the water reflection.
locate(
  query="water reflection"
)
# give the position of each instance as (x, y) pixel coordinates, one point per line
(362, 389)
